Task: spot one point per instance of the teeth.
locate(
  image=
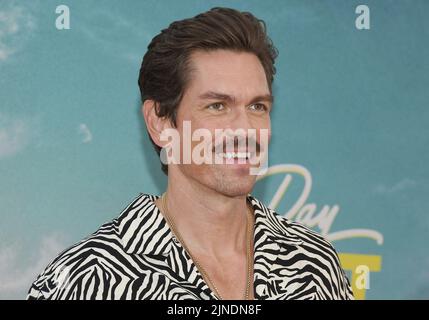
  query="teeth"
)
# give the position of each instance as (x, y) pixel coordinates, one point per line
(236, 155)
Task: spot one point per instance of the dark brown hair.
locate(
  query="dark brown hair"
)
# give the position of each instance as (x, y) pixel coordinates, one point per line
(165, 70)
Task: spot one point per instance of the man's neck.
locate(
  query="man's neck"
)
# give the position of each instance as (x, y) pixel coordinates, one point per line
(210, 223)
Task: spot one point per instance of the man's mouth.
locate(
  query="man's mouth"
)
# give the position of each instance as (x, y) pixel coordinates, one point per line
(235, 155)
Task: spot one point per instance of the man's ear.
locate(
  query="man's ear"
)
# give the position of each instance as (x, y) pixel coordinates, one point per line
(154, 124)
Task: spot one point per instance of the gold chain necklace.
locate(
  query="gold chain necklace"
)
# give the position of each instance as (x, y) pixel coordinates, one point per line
(205, 275)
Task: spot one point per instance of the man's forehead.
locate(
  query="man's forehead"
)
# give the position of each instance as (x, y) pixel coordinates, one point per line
(224, 61)
(231, 74)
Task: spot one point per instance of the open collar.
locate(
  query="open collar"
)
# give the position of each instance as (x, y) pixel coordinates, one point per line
(271, 237)
(143, 230)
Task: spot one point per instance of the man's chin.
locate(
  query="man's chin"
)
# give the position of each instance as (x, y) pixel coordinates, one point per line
(226, 180)
(236, 186)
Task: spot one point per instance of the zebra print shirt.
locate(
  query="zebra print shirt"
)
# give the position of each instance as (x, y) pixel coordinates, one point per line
(136, 256)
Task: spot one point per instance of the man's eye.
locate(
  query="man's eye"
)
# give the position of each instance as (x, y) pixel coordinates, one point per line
(258, 107)
(216, 106)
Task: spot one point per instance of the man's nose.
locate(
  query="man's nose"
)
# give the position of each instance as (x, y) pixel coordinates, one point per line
(241, 120)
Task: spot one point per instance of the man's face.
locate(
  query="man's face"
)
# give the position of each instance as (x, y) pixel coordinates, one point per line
(226, 90)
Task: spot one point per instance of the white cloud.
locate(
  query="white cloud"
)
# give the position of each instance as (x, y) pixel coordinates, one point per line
(17, 271)
(14, 135)
(85, 132)
(15, 24)
(114, 33)
(397, 187)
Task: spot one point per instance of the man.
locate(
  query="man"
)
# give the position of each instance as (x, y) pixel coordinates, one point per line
(206, 237)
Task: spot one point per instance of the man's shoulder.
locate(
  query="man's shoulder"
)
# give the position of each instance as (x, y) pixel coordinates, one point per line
(303, 232)
(288, 228)
(78, 262)
(100, 254)
(307, 251)
(286, 232)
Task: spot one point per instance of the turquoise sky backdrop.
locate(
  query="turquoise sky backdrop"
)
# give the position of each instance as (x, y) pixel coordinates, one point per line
(351, 108)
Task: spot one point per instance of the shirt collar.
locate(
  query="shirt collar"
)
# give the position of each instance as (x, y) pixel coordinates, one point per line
(143, 229)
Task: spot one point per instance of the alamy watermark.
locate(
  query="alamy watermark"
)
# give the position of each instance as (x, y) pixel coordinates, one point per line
(223, 146)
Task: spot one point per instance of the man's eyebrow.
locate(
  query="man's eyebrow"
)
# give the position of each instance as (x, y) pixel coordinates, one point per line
(264, 97)
(212, 95)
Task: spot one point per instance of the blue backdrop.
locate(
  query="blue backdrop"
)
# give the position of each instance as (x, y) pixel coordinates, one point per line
(350, 140)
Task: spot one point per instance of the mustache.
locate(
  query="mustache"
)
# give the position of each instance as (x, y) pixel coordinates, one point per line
(250, 144)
